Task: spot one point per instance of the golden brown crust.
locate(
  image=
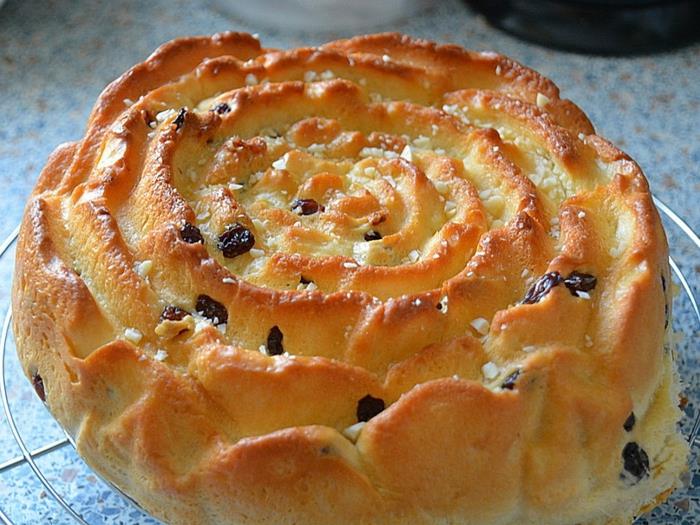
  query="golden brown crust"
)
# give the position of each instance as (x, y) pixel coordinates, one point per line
(165, 259)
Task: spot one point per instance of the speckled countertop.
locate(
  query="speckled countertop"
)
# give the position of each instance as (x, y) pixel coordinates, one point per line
(56, 56)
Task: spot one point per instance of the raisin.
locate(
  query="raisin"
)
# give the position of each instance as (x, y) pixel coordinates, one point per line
(211, 309)
(236, 240)
(541, 287)
(628, 425)
(38, 384)
(373, 235)
(368, 407)
(180, 119)
(304, 280)
(191, 234)
(222, 108)
(173, 313)
(274, 341)
(636, 461)
(306, 207)
(663, 282)
(580, 282)
(509, 382)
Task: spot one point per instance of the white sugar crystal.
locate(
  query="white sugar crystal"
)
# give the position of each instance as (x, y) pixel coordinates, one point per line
(583, 294)
(490, 370)
(524, 273)
(165, 115)
(421, 141)
(498, 69)
(417, 302)
(235, 186)
(327, 75)
(350, 264)
(143, 268)
(481, 325)
(542, 100)
(529, 348)
(309, 76)
(360, 251)
(441, 186)
(434, 129)
(161, 355)
(391, 181)
(251, 79)
(370, 171)
(353, 431)
(263, 349)
(222, 328)
(504, 327)
(407, 153)
(128, 102)
(228, 280)
(308, 286)
(413, 255)
(200, 323)
(256, 252)
(581, 214)
(371, 152)
(451, 109)
(281, 163)
(587, 341)
(133, 335)
(581, 137)
(450, 207)
(316, 148)
(443, 305)
(386, 58)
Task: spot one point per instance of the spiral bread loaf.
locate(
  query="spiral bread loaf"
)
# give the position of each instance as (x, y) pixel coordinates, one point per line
(380, 281)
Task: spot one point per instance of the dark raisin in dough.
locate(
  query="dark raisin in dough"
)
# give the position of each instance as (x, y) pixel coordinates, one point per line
(191, 234)
(274, 341)
(541, 287)
(236, 240)
(222, 108)
(368, 407)
(180, 119)
(580, 282)
(509, 382)
(38, 384)
(211, 309)
(173, 313)
(306, 206)
(373, 235)
(636, 461)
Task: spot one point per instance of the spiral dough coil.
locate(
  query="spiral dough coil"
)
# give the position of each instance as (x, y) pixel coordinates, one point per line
(378, 281)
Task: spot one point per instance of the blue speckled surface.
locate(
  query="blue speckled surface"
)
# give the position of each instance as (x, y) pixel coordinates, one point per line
(55, 57)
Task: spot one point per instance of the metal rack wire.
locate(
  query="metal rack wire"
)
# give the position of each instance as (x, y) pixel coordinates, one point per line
(29, 455)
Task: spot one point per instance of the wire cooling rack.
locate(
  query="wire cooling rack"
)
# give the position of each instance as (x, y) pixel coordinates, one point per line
(67, 491)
